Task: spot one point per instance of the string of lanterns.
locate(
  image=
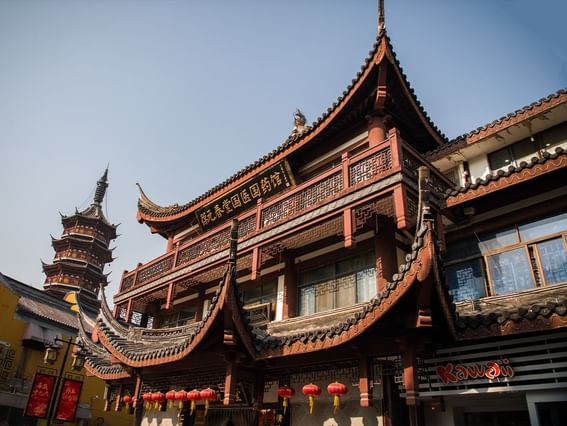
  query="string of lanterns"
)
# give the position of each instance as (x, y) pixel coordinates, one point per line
(153, 400)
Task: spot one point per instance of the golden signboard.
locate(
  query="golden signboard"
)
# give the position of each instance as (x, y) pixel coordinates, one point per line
(265, 184)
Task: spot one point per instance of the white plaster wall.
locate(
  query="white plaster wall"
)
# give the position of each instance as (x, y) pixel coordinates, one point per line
(350, 413)
(478, 167)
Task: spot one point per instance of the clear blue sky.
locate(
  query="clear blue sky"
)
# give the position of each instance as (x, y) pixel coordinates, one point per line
(178, 95)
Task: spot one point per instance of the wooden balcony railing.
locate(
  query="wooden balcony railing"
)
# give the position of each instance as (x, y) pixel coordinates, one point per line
(387, 157)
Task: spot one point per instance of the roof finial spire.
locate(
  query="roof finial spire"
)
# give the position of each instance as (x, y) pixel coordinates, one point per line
(101, 186)
(381, 21)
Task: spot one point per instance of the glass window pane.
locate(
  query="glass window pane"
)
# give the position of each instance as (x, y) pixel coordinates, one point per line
(500, 159)
(306, 300)
(524, 150)
(542, 227)
(510, 271)
(346, 291)
(466, 281)
(553, 258)
(356, 263)
(365, 285)
(252, 295)
(498, 239)
(462, 249)
(317, 275)
(324, 296)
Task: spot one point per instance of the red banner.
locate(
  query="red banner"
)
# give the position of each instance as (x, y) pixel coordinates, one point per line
(40, 395)
(68, 400)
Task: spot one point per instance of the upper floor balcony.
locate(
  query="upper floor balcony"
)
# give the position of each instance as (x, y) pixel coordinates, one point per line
(393, 159)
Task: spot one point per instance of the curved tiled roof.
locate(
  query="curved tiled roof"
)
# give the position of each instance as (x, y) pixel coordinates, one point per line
(149, 210)
(497, 125)
(526, 170)
(138, 347)
(418, 267)
(528, 311)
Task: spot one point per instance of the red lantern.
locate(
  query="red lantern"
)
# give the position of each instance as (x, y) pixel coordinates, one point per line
(147, 397)
(285, 392)
(336, 389)
(208, 395)
(157, 398)
(170, 396)
(127, 399)
(194, 396)
(311, 391)
(180, 396)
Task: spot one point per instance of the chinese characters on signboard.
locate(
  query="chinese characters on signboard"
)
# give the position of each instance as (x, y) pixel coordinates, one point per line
(40, 395)
(68, 400)
(267, 183)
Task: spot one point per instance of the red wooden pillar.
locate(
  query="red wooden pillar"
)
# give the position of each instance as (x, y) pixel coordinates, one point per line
(345, 170)
(365, 382)
(400, 207)
(169, 246)
(290, 286)
(129, 311)
(348, 228)
(377, 129)
(230, 381)
(169, 298)
(411, 380)
(395, 147)
(385, 249)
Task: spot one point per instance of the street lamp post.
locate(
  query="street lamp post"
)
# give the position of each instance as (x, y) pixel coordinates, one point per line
(50, 357)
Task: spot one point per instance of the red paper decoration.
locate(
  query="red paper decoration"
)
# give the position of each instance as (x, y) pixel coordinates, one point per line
(157, 398)
(208, 395)
(311, 391)
(147, 397)
(170, 396)
(194, 396)
(180, 396)
(336, 389)
(285, 392)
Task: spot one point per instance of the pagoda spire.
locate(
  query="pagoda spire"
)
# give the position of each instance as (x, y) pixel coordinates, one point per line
(101, 186)
(82, 251)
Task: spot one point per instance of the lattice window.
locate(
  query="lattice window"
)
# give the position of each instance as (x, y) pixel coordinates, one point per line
(247, 226)
(214, 243)
(374, 165)
(302, 200)
(136, 318)
(315, 233)
(147, 273)
(127, 283)
(383, 206)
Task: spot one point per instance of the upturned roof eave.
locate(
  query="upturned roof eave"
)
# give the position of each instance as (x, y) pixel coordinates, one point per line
(160, 218)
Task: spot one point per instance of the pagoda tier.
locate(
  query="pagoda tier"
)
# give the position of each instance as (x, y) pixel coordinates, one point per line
(82, 251)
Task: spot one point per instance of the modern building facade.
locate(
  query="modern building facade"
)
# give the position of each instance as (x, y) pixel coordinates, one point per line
(367, 257)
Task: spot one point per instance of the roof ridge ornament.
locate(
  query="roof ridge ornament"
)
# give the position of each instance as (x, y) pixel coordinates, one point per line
(101, 186)
(299, 123)
(381, 20)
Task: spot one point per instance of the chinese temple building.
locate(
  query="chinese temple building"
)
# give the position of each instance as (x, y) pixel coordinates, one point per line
(367, 271)
(82, 251)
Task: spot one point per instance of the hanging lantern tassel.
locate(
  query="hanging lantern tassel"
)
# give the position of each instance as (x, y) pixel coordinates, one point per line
(336, 389)
(194, 396)
(147, 397)
(311, 391)
(285, 392)
(157, 397)
(208, 395)
(180, 397)
(170, 396)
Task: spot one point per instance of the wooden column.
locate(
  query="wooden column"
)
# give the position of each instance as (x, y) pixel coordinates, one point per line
(400, 207)
(169, 244)
(256, 262)
(345, 170)
(129, 311)
(377, 129)
(411, 380)
(169, 297)
(230, 382)
(290, 286)
(259, 389)
(348, 228)
(385, 249)
(365, 382)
